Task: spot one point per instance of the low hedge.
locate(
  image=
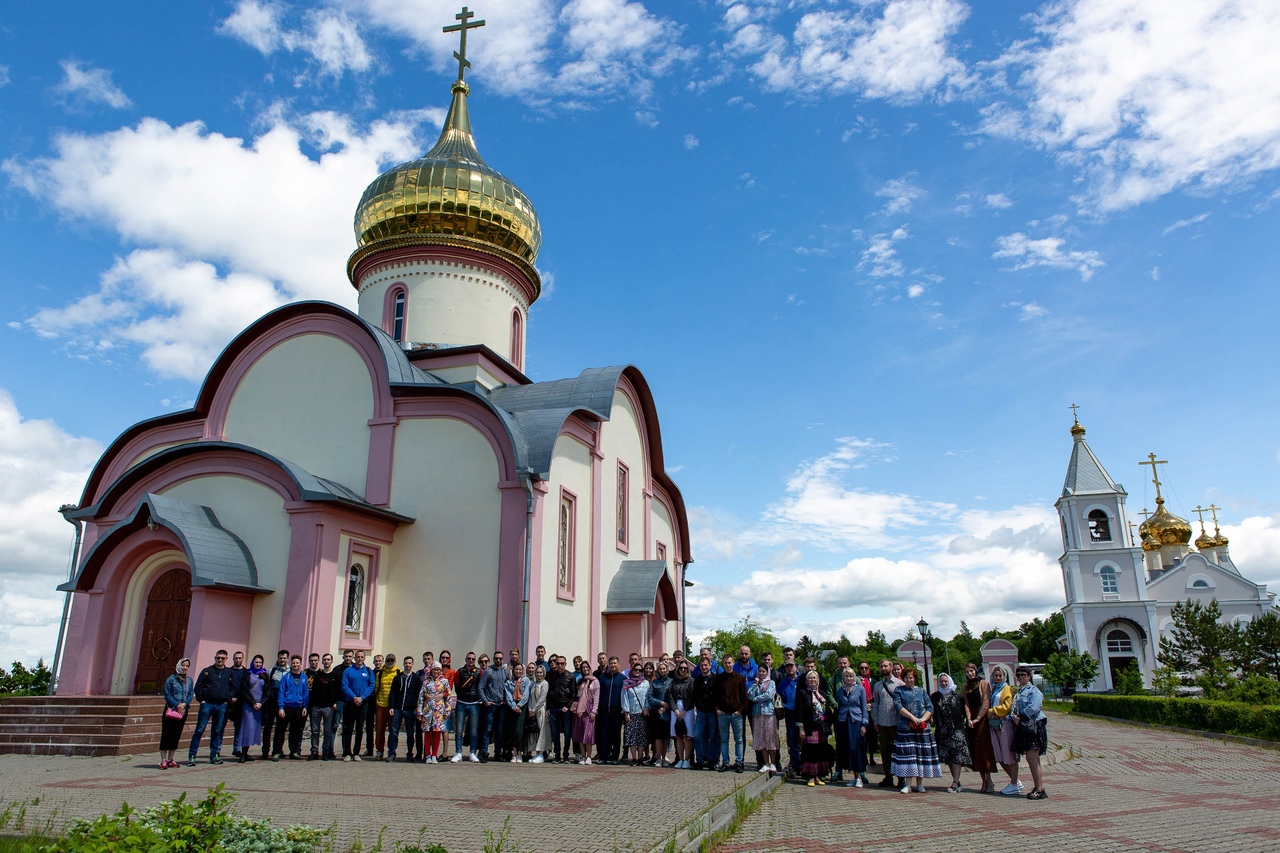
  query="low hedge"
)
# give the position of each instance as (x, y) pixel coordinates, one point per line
(1232, 718)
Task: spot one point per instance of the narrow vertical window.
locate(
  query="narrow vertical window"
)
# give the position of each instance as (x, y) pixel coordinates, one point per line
(517, 339)
(397, 317)
(355, 597)
(622, 513)
(661, 551)
(567, 542)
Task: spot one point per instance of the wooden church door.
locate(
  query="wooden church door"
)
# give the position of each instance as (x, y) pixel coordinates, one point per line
(164, 630)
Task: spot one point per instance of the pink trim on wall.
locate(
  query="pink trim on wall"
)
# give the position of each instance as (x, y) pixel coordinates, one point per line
(473, 354)
(471, 412)
(329, 324)
(596, 628)
(511, 564)
(577, 427)
(657, 625)
(220, 619)
(363, 639)
(157, 437)
(624, 634)
(623, 478)
(517, 339)
(382, 450)
(540, 491)
(388, 258)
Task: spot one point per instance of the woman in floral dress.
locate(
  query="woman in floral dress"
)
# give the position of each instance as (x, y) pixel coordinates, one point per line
(435, 708)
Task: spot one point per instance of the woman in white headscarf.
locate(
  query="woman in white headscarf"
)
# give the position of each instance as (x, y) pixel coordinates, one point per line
(951, 721)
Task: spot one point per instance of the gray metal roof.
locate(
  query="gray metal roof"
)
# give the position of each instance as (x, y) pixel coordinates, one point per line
(400, 371)
(217, 557)
(635, 587)
(1085, 473)
(538, 411)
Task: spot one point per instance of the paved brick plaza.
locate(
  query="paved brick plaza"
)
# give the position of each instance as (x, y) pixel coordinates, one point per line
(1125, 788)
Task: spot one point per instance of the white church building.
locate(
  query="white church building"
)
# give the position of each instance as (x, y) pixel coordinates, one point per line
(391, 479)
(1120, 593)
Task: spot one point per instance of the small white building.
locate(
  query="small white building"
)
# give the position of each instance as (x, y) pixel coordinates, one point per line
(1120, 594)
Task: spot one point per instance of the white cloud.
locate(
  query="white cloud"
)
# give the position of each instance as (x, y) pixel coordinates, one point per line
(1027, 310)
(1148, 96)
(329, 37)
(277, 221)
(901, 194)
(541, 49)
(897, 50)
(4, 75)
(180, 313)
(999, 201)
(1183, 223)
(1028, 253)
(84, 85)
(41, 468)
(1255, 548)
(880, 258)
(690, 141)
(915, 291)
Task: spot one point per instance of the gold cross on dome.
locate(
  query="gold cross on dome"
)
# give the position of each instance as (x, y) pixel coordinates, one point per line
(1214, 509)
(464, 23)
(1155, 472)
(1200, 511)
(1074, 409)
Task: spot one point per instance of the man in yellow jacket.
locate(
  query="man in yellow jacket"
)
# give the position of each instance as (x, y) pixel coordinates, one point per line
(382, 702)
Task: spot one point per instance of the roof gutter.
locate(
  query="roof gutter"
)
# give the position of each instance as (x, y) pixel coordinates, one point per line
(526, 480)
(66, 510)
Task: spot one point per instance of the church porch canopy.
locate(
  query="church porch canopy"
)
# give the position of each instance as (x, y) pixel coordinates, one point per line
(636, 587)
(217, 557)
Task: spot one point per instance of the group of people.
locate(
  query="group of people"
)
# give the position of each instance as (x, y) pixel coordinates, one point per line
(669, 712)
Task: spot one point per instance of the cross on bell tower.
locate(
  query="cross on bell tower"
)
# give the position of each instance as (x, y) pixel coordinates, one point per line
(464, 23)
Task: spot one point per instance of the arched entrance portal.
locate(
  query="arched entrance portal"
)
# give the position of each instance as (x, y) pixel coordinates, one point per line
(164, 630)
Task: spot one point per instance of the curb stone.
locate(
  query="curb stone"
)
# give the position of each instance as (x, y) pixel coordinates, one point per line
(716, 816)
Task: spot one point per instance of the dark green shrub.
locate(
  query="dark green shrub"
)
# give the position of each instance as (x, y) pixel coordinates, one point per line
(1234, 718)
(1129, 681)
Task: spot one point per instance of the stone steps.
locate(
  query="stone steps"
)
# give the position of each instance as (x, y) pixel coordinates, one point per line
(80, 725)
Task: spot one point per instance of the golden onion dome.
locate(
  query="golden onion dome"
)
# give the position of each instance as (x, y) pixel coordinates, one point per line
(1204, 540)
(1150, 542)
(450, 196)
(1219, 541)
(1165, 527)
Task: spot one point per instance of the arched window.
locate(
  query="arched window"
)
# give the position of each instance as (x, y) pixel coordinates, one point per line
(517, 339)
(397, 318)
(1099, 526)
(355, 597)
(1110, 584)
(1200, 583)
(1118, 642)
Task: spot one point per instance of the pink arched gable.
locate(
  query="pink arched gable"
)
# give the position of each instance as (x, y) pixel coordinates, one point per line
(513, 507)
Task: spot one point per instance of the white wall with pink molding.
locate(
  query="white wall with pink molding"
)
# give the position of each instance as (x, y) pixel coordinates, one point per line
(566, 625)
(308, 400)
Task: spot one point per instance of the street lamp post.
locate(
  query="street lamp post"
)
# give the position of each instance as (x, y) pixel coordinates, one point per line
(924, 640)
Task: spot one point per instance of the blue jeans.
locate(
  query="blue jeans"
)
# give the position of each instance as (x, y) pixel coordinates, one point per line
(466, 718)
(730, 723)
(491, 728)
(409, 721)
(215, 712)
(706, 737)
(321, 717)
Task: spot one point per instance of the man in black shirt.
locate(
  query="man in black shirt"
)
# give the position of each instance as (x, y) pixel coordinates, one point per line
(561, 691)
(326, 690)
(466, 716)
(213, 692)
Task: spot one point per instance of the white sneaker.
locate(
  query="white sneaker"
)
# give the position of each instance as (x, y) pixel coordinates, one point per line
(906, 789)
(356, 758)
(763, 769)
(920, 788)
(1012, 789)
(475, 758)
(857, 783)
(516, 760)
(457, 758)
(537, 759)
(587, 761)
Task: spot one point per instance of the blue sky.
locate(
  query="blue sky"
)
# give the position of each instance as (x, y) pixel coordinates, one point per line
(866, 253)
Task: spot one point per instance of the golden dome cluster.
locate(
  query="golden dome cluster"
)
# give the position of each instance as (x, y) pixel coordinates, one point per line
(450, 197)
(1164, 528)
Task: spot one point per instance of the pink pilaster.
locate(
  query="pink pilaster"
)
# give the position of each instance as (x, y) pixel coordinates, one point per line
(597, 551)
(382, 445)
(511, 563)
(220, 619)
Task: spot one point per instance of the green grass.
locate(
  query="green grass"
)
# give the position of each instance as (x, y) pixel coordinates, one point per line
(19, 844)
(1060, 707)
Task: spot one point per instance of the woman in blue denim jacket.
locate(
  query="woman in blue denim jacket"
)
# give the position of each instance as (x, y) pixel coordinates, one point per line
(178, 693)
(761, 693)
(851, 727)
(915, 753)
(659, 719)
(1031, 733)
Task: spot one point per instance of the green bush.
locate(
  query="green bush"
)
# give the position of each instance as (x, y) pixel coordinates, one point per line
(20, 681)
(1253, 690)
(1210, 715)
(1129, 681)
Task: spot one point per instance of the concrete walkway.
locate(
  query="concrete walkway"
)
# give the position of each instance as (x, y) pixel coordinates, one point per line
(1118, 788)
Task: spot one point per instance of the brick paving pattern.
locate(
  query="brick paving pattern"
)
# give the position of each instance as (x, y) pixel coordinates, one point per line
(552, 807)
(1122, 788)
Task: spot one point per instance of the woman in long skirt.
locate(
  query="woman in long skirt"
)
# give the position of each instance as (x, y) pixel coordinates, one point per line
(584, 714)
(536, 739)
(178, 693)
(949, 715)
(1002, 730)
(659, 713)
(977, 701)
(915, 754)
(683, 715)
(251, 689)
(635, 714)
(851, 727)
(764, 725)
(811, 713)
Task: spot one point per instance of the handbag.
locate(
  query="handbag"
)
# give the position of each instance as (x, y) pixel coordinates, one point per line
(531, 722)
(918, 726)
(173, 713)
(682, 728)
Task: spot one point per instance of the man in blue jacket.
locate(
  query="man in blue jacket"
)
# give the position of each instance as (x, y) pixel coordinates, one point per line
(213, 692)
(357, 690)
(609, 714)
(293, 694)
(493, 698)
(787, 690)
